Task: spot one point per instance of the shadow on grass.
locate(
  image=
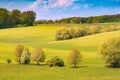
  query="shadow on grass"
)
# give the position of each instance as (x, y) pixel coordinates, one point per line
(38, 64)
(79, 67)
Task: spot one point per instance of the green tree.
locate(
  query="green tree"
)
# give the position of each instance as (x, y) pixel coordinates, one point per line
(4, 18)
(38, 55)
(110, 50)
(15, 17)
(75, 57)
(28, 18)
(55, 61)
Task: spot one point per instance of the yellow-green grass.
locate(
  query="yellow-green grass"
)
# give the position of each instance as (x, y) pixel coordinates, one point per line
(91, 67)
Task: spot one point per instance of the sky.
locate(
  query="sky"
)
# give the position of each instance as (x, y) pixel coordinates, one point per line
(57, 9)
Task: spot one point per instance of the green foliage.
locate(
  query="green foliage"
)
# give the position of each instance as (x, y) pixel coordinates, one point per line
(110, 50)
(28, 18)
(78, 20)
(18, 52)
(15, 17)
(8, 60)
(38, 55)
(55, 61)
(4, 18)
(75, 57)
(25, 56)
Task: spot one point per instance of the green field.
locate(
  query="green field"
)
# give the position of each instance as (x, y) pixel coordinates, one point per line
(91, 68)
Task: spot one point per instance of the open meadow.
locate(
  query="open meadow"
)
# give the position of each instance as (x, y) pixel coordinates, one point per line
(91, 68)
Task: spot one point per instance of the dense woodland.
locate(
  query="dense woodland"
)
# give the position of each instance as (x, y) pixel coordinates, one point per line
(82, 20)
(15, 18)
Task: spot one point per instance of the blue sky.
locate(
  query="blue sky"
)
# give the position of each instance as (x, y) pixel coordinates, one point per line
(57, 9)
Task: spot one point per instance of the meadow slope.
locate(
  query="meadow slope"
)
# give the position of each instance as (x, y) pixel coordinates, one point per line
(44, 37)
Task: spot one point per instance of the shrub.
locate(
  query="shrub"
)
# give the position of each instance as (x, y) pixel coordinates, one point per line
(25, 57)
(63, 33)
(18, 52)
(110, 50)
(75, 57)
(38, 55)
(9, 60)
(56, 61)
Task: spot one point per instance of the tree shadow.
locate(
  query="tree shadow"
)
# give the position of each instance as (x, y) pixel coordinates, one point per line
(38, 64)
(79, 67)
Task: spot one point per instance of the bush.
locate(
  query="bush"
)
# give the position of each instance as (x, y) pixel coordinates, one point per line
(18, 52)
(63, 33)
(56, 61)
(9, 60)
(75, 57)
(38, 55)
(110, 50)
(25, 57)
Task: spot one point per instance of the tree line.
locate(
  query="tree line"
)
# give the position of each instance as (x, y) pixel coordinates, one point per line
(9, 19)
(110, 50)
(23, 56)
(82, 20)
(65, 33)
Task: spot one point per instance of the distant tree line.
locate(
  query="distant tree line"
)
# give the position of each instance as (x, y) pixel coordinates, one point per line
(82, 20)
(14, 18)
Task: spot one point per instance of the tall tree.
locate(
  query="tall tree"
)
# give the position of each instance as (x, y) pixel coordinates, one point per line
(15, 17)
(28, 18)
(4, 18)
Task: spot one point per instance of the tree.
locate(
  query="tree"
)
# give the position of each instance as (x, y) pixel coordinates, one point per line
(15, 17)
(38, 55)
(110, 51)
(55, 61)
(18, 52)
(4, 18)
(75, 57)
(28, 18)
(25, 56)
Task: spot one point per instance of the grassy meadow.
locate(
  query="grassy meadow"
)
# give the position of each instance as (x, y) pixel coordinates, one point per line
(91, 68)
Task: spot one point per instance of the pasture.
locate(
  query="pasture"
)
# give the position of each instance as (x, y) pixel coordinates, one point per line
(91, 68)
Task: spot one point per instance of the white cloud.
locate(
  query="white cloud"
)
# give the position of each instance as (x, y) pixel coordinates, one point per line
(46, 4)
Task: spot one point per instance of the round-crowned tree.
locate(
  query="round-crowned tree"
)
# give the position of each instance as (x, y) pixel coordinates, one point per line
(38, 55)
(18, 52)
(110, 51)
(75, 57)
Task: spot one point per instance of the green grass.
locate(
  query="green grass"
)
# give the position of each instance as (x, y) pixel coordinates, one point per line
(91, 67)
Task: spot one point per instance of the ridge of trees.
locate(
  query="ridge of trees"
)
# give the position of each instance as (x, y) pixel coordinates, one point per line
(82, 20)
(9, 19)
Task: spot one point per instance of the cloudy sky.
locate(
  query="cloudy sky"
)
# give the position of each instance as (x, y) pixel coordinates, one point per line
(57, 9)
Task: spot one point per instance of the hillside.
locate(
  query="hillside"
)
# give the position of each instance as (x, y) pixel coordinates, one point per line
(91, 68)
(42, 36)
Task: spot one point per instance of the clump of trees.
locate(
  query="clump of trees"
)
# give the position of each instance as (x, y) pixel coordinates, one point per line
(14, 18)
(22, 55)
(82, 20)
(55, 61)
(75, 57)
(110, 51)
(66, 33)
(38, 55)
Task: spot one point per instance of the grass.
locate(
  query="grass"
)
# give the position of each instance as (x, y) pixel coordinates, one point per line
(91, 68)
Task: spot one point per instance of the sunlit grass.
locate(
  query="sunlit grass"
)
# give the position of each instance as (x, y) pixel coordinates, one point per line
(91, 67)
